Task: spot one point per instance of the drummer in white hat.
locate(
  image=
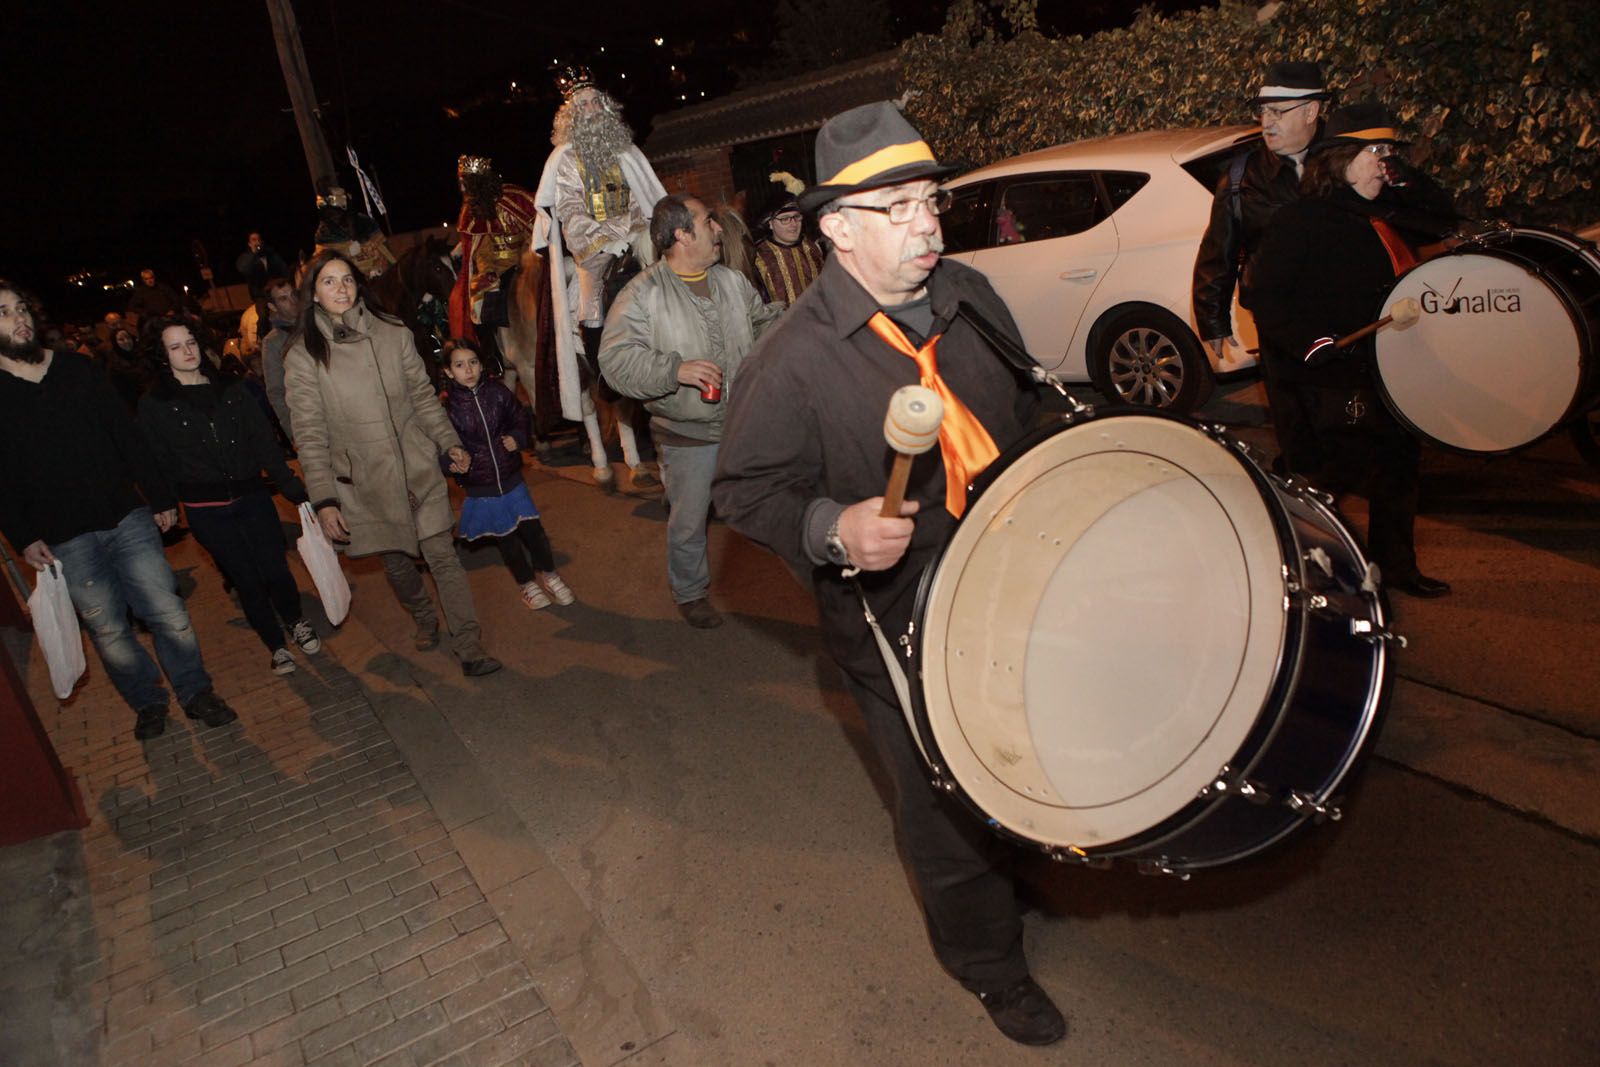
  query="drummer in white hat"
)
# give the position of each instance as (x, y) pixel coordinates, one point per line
(1291, 104)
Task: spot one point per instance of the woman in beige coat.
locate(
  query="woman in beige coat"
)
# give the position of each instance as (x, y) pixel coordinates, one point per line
(370, 433)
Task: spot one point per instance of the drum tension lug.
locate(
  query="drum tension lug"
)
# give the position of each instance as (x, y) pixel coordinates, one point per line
(1306, 804)
(1155, 867)
(1074, 854)
(1226, 782)
(1368, 631)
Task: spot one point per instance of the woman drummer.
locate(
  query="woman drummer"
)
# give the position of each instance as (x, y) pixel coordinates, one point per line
(1325, 266)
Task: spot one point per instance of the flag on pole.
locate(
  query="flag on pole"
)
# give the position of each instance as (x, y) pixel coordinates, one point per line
(369, 188)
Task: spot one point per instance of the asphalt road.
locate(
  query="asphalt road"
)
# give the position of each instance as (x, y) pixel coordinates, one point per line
(709, 798)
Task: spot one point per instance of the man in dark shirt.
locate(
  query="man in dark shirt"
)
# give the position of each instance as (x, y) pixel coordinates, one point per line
(78, 486)
(802, 470)
(1291, 104)
(259, 264)
(152, 299)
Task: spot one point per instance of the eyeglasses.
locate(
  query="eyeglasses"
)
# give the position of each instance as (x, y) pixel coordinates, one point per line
(793, 216)
(1271, 111)
(1382, 151)
(903, 211)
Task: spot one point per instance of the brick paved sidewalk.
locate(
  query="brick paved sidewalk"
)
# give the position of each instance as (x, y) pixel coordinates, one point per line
(276, 891)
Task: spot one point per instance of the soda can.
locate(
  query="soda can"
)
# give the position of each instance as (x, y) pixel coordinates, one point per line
(711, 393)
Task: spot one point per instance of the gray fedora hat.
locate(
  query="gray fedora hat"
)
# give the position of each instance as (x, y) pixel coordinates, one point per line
(867, 147)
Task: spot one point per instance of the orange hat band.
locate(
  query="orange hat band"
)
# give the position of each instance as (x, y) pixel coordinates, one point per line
(884, 159)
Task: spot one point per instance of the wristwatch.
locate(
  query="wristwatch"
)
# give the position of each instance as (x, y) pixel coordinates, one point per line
(837, 553)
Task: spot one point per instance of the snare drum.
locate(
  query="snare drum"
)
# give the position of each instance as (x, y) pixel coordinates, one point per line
(1138, 644)
(1504, 352)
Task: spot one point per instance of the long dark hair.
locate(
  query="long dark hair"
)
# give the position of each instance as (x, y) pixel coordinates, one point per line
(156, 351)
(305, 328)
(1324, 173)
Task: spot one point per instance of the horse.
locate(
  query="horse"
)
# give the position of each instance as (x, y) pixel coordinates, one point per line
(529, 345)
(417, 289)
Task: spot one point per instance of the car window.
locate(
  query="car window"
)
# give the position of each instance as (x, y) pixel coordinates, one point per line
(1037, 209)
(1209, 168)
(1121, 185)
(966, 225)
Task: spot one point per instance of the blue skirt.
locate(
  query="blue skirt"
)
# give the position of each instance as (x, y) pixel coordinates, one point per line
(495, 516)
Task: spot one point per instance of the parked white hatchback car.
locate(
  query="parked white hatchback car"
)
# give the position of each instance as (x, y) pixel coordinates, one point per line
(1092, 244)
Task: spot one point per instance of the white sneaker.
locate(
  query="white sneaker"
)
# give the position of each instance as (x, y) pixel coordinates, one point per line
(558, 590)
(282, 662)
(534, 597)
(305, 636)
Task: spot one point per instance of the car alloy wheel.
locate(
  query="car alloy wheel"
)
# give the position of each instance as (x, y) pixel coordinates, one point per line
(1145, 357)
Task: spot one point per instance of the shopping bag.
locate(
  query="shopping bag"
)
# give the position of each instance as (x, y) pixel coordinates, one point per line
(333, 589)
(55, 624)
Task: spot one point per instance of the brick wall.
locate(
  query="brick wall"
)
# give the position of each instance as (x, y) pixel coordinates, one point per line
(706, 174)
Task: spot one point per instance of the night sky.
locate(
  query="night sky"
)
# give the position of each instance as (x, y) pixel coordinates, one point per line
(146, 127)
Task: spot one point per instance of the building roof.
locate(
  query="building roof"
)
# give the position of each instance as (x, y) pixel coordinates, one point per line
(793, 105)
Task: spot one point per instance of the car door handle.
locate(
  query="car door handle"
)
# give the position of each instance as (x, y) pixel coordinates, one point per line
(1078, 275)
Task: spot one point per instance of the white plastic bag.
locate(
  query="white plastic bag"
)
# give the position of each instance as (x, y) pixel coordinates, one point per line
(55, 624)
(333, 588)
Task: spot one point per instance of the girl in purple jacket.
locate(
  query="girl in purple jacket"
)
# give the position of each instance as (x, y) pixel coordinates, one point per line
(492, 427)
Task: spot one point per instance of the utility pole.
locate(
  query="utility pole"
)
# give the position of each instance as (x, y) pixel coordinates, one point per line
(302, 97)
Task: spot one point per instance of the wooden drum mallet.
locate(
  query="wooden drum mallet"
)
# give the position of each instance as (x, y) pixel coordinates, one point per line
(911, 427)
(1402, 316)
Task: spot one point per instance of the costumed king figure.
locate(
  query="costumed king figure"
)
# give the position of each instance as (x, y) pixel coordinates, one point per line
(496, 227)
(594, 200)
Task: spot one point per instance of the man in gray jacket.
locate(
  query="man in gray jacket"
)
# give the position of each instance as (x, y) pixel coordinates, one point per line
(674, 339)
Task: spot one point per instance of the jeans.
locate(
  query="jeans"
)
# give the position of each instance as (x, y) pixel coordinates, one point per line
(455, 595)
(686, 474)
(245, 539)
(110, 571)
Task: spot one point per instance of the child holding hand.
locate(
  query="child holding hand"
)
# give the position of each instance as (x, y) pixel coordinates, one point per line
(492, 427)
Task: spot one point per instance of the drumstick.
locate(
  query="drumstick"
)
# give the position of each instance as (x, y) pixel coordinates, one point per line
(911, 427)
(1403, 314)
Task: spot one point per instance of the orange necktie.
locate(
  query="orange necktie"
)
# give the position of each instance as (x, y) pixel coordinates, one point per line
(965, 445)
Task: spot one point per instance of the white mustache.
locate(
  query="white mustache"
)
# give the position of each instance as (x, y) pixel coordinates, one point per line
(922, 246)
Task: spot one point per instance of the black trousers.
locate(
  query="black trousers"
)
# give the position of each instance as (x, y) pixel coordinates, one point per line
(245, 539)
(1364, 450)
(962, 870)
(1291, 420)
(526, 550)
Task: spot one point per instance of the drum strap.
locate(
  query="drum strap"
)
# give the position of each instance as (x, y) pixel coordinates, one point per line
(1400, 255)
(897, 673)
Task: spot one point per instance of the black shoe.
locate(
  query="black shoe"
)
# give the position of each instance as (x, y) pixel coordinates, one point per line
(209, 709)
(1422, 586)
(477, 668)
(152, 722)
(700, 614)
(1025, 1013)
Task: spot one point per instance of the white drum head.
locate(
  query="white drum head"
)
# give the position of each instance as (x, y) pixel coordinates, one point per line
(1493, 364)
(1103, 630)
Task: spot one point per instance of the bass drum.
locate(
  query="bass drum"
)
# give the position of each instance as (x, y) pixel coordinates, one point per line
(1138, 644)
(1505, 350)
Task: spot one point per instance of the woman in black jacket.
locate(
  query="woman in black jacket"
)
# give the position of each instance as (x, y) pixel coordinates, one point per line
(1325, 267)
(213, 442)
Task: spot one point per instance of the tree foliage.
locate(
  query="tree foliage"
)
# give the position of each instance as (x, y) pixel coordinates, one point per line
(815, 34)
(1500, 97)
